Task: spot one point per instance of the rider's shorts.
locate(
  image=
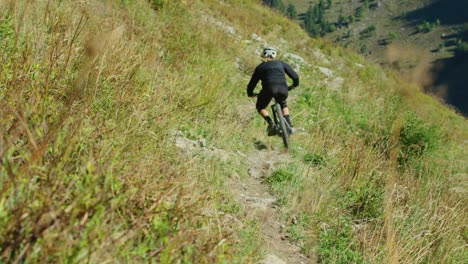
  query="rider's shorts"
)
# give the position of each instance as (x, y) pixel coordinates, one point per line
(265, 96)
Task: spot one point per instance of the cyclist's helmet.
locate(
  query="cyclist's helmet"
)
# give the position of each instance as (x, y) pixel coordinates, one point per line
(269, 53)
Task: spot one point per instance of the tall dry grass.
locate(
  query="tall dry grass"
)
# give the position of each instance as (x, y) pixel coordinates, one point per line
(93, 92)
(375, 175)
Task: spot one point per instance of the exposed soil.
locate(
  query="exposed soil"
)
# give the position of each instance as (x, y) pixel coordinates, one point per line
(260, 204)
(254, 195)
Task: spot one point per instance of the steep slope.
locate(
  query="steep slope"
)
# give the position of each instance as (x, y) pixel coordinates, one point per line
(410, 21)
(127, 137)
(422, 39)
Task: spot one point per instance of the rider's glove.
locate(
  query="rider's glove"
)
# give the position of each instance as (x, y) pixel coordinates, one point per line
(291, 87)
(250, 94)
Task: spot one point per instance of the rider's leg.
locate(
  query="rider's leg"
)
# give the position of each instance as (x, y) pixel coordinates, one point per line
(263, 100)
(271, 129)
(286, 115)
(266, 116)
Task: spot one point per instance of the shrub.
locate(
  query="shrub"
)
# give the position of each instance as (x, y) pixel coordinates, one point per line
(367, 32)
(393, 35)
(157, 4)
(314, 159)
(426, 26)
(416, 138)
(364, 201)
(360, 12)
(307, 99)
(7, 38)
(363, 48)
(342, 21)
(281, 175)
(336, 244)
(462, 47)
(291, 11)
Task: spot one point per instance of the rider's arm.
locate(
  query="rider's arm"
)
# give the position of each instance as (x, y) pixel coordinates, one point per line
(292, 74)
(253, 82)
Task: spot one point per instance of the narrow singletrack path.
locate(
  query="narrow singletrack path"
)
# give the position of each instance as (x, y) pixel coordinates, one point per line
(260, 205)
(253, 193)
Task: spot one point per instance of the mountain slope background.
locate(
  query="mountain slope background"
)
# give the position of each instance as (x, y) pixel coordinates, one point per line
(425, 40)
(127, 136)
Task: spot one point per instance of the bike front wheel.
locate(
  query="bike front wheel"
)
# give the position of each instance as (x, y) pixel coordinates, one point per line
(282, 125)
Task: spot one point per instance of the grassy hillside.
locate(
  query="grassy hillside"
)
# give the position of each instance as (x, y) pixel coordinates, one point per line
(424, 24)
(425, 40)
(96, 97)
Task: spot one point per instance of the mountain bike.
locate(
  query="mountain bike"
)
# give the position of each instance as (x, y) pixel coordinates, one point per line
(282, 127)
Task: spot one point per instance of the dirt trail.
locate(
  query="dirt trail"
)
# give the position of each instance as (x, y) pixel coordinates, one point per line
(259, 203)
(254, 195)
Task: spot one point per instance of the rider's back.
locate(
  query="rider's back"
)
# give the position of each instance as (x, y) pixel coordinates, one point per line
(272, 74)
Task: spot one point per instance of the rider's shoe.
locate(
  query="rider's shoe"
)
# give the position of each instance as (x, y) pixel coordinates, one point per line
(271, 130)
(292, 130)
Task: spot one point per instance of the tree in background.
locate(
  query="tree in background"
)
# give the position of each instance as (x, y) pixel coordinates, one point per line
(366, 4)
(360, 12)
(426, 26)
(315, 21)
(367, 32)
(275, 4)
(322, 4)
(318, 13)
(461, 47)
(342, 22)
(291, 11)
(310, 20)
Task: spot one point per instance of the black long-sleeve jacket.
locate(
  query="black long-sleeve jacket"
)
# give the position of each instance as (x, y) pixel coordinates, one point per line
(272, 74)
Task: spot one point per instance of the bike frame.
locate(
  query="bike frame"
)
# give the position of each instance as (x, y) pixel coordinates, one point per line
(281, 123)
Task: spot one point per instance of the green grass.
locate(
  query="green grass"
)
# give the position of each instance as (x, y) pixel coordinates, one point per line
(93, 94)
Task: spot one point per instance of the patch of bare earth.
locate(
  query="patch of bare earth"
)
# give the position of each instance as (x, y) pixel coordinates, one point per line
(255, 196)
(260, 205)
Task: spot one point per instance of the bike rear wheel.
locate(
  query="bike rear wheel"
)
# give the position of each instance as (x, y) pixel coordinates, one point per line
(282, 125)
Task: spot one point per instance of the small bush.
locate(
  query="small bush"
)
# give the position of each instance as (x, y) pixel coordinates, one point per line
(306, 98)
(157, 4)
(393, 35)
(462, 47)
(363, 48)
(367, 32)
(336, 244)
(7, 39)
(314, 159)
(360, 12)
(427, 27)
(416, 138)
(281, 175)
(365, 201)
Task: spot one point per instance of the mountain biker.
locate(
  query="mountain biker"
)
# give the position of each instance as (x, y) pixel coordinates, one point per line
(272, 74)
